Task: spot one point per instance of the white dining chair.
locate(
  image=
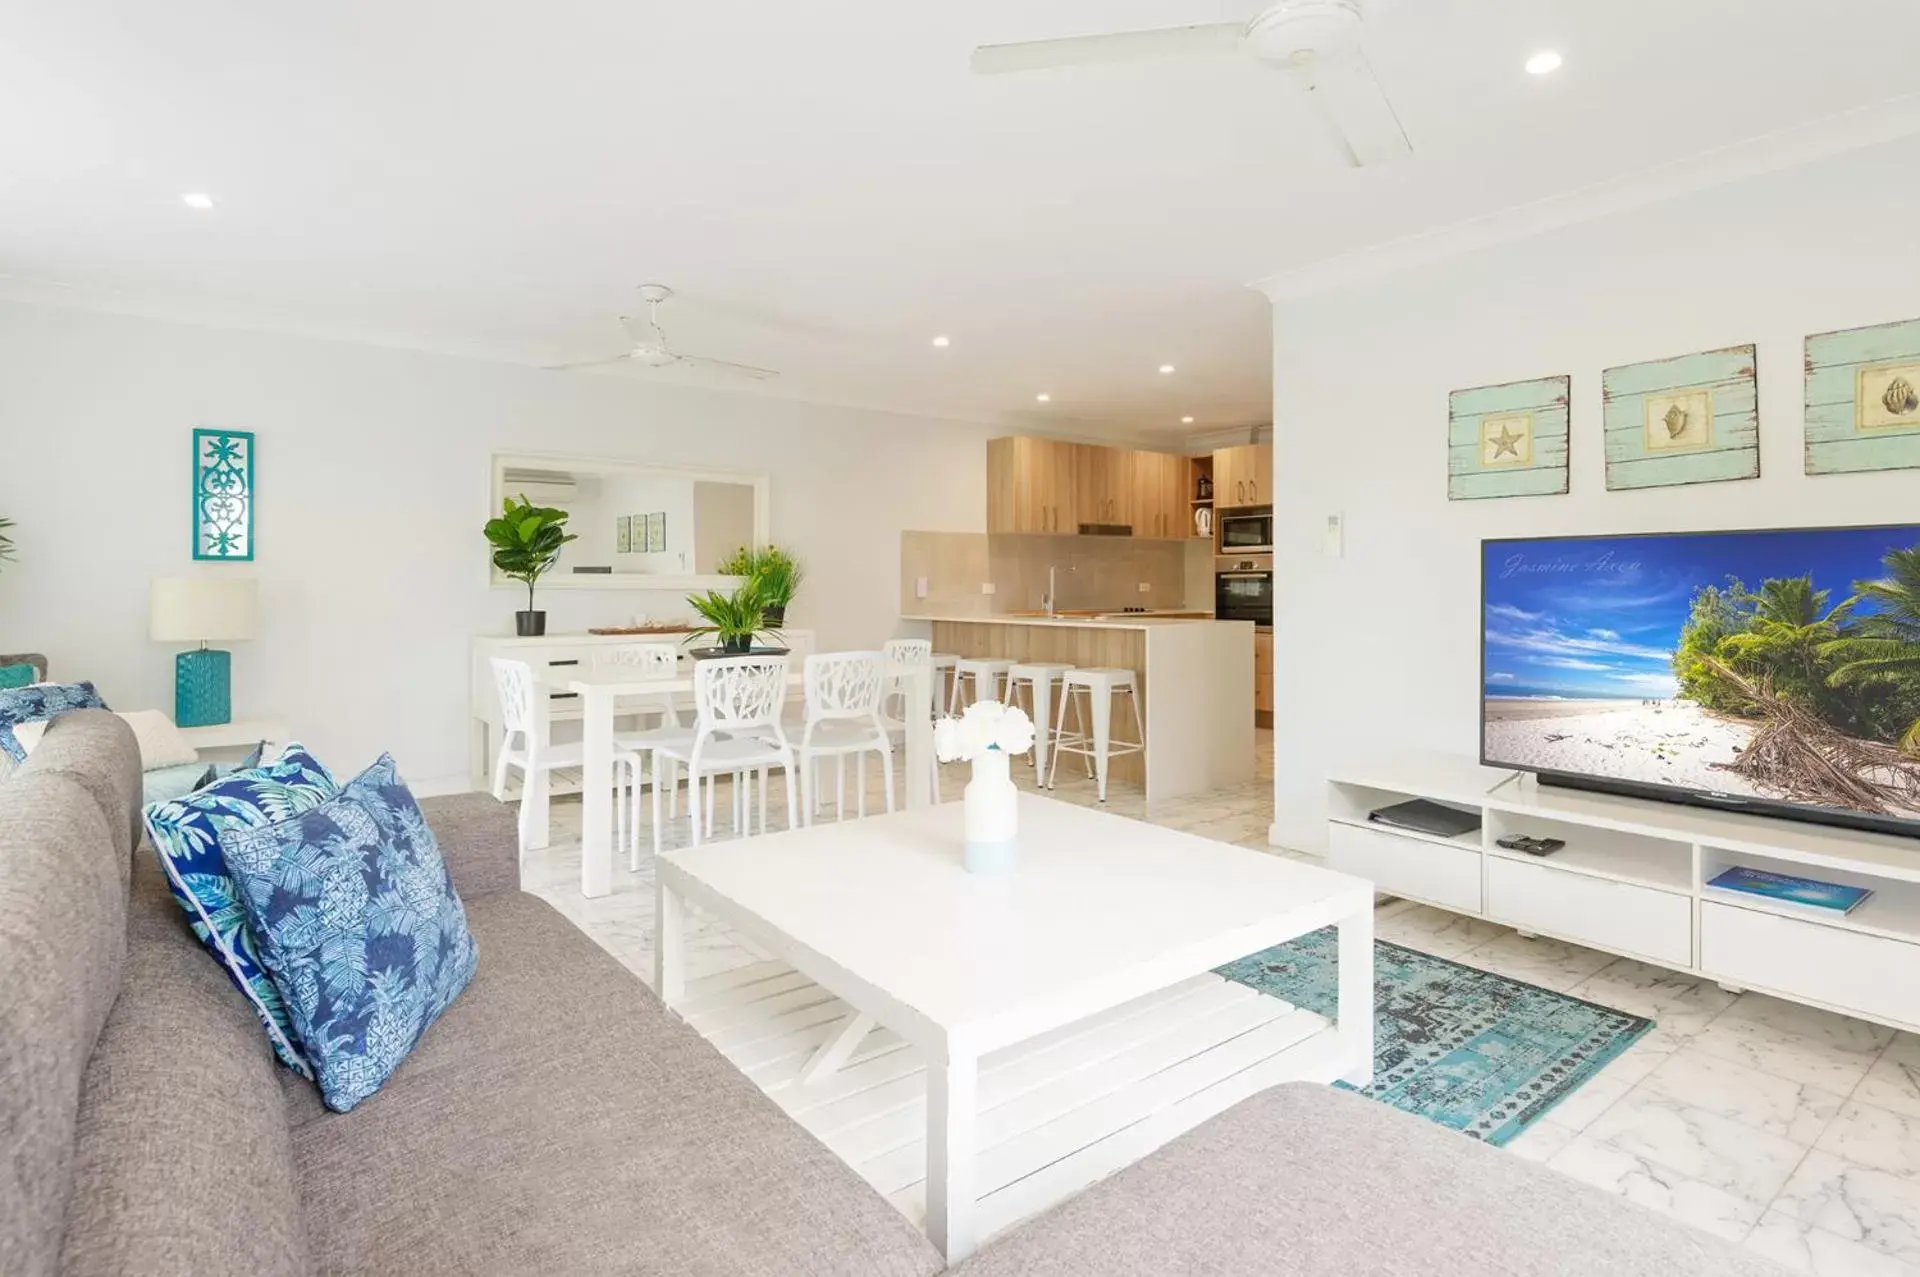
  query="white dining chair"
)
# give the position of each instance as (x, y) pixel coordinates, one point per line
(843, 694)
(737, 732)
(518, 688)
(642, 661)
(902, 653)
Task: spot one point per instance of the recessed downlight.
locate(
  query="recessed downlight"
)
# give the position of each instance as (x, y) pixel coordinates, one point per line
(1166, 370)
(197, 199)
(1043, 397)
(942, 342)
(1186, 421)
(1545, 62)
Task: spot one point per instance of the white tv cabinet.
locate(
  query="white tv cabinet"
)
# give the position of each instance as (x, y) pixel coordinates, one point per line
(1632, 880)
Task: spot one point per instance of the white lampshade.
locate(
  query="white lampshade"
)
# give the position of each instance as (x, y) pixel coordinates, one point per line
(202, 609)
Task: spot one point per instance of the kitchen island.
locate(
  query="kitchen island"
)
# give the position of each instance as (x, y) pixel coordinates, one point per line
(1195, 674)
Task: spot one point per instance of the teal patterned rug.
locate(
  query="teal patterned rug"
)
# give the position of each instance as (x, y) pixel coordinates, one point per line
(1473, 1051)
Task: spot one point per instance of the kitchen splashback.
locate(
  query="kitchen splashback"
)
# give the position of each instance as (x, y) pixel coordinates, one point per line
(1106, 573)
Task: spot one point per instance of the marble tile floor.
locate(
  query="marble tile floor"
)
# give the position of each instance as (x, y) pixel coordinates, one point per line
(1792, 1130)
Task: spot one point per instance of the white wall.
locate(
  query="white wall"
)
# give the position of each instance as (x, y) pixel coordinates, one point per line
(373, 476)
(1379, 650)
(607, 498)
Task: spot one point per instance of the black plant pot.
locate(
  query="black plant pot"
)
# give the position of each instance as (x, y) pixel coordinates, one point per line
(775, 616)
(530, 624)
(739, 645)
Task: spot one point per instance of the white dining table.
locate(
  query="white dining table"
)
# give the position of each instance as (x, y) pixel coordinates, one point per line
(600, 693)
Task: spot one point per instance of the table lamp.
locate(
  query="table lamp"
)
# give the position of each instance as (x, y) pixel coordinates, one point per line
(203, 610)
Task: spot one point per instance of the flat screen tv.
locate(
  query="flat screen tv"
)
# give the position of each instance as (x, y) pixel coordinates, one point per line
(1774, 671)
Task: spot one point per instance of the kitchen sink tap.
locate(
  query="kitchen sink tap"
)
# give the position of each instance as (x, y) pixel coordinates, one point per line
(1052, 600)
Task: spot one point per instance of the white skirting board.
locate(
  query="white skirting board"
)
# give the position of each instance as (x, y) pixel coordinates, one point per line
(1056, 1113)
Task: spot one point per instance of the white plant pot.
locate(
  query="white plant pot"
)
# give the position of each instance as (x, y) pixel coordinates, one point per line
(992, 815)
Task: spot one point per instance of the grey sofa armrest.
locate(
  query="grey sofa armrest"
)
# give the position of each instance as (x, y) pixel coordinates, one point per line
(479, 840)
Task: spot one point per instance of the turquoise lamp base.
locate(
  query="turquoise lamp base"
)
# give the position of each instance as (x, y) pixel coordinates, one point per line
(203, 688)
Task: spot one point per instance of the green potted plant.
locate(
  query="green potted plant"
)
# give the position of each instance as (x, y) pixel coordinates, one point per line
(733, 619)
(527, 540)
(775, 571)
(6, 542)
(779, 577)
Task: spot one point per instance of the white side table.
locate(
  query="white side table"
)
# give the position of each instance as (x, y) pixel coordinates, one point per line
(230, 742)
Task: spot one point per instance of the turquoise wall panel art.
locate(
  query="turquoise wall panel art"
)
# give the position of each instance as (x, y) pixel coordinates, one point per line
(223, 495)
(1508, 441)
(1863, 399)
(1695, 419)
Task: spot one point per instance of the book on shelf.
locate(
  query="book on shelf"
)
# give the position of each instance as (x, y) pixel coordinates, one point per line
(1810, 893)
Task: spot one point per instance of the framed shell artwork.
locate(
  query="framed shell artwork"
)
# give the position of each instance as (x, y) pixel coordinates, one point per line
(1863, 399)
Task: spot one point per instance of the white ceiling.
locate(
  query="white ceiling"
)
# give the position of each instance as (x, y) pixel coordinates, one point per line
(824, 182)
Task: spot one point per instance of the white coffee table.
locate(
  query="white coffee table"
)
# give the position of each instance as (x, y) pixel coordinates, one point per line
(1101, 911)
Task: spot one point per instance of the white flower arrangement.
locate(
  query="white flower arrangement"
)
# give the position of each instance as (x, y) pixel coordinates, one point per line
(985, 725)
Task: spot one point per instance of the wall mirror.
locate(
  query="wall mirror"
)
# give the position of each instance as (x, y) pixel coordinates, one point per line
(640, 526)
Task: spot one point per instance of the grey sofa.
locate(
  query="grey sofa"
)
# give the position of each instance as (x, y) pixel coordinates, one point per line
(558, 1120)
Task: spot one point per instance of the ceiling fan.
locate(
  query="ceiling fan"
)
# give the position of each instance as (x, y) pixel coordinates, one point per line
(1318, 43)
(650, 349)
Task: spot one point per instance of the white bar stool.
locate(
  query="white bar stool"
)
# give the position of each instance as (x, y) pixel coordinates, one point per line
(943, 676)
(1038, 679)
(1100, 685)
(985, 671)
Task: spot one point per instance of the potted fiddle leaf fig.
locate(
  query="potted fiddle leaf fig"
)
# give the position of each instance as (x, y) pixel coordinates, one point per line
(527, 540)
(733, 619)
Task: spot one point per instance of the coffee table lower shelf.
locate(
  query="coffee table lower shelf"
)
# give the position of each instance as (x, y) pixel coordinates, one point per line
(1055, 1113)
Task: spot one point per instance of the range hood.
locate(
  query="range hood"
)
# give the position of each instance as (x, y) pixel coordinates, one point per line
(1106, 529)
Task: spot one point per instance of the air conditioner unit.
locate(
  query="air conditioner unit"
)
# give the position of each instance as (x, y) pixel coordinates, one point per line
(542, 487)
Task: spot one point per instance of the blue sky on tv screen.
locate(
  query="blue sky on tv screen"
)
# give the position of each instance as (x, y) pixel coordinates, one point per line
(1598, 617)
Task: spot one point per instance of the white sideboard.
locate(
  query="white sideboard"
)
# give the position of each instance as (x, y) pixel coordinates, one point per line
(1633, 877)
(558, 651)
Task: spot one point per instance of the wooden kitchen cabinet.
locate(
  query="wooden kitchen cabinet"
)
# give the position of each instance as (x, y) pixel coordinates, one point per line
(1160, 506)
(1103, 490)
(1047, 485)
(1243, 476)
(1030, 485)
(1263, 678)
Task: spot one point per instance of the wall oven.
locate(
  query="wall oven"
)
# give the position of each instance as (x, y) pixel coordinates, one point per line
(1246, 531)
(1244, 594)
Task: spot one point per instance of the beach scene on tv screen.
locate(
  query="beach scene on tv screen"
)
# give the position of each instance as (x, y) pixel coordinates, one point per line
(1781, 665)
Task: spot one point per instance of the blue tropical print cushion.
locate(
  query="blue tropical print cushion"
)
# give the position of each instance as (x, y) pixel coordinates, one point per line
(41, 700)
(359, 926)
(12, 676)
(186, 833)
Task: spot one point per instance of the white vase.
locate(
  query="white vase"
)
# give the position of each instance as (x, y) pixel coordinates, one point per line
(992, 815)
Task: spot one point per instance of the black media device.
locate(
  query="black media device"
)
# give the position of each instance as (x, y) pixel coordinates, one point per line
(1424, 817)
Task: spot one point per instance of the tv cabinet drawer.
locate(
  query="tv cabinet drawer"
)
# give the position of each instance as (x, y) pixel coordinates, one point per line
(1607, 914)
(1418, 868)
(1874, 976)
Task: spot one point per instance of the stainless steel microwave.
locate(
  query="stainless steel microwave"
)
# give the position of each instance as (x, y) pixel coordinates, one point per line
(1246, 531)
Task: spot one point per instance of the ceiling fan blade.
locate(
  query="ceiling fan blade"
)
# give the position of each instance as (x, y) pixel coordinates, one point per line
(1120, 46)
(589, 363)
(1354, 109)
(723, 366)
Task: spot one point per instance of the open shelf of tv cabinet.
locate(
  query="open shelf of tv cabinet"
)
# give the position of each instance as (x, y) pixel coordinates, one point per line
(1632, 878)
